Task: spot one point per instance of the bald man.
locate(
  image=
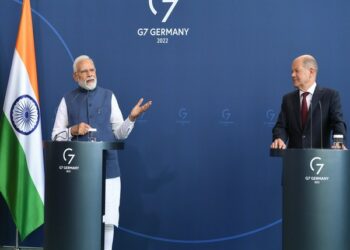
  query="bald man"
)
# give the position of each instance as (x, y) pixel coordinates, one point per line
(309, 115)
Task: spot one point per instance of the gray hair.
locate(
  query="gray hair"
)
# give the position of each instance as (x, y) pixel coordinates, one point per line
(78, 60)
(309, 62)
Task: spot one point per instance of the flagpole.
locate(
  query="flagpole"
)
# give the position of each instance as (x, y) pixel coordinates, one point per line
(17, 240)
(23, 169)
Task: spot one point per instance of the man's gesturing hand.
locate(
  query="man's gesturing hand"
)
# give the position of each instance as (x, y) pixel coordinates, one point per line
(138, 109)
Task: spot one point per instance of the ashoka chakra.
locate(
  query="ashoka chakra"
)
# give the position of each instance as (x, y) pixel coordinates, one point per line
(25, 114)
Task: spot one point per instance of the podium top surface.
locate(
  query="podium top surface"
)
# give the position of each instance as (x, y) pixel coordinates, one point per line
(281, 152)
(118, 145)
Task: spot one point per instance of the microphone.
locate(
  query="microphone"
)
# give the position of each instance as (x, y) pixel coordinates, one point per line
(58, 136)
(73, 99)
(82, 104)
(311, 122)
(319, 103)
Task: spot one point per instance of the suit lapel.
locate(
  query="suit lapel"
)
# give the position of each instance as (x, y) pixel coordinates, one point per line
(296, 104)
(314, 103)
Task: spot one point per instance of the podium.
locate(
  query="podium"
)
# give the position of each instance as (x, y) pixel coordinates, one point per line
(316, 199)
(74, 194)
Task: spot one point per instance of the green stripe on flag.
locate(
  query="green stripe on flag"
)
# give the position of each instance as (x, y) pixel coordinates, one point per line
(16, 184)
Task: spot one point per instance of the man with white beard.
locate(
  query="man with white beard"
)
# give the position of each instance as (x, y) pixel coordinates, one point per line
(90, 106)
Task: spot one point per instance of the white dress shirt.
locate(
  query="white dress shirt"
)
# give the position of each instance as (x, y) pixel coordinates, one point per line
(120, 128)
(311, 91)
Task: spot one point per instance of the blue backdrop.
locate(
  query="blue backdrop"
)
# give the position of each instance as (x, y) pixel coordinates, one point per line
(196, 171)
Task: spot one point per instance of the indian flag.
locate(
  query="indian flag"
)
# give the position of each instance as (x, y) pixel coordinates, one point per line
(21, 151)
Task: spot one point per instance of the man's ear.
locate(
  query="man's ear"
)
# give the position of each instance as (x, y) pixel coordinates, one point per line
(313, 72)
(75, 76)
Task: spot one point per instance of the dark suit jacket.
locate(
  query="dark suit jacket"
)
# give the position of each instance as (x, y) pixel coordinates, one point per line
(288, 126)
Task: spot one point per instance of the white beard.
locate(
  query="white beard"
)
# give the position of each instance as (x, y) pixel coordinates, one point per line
(86, 86)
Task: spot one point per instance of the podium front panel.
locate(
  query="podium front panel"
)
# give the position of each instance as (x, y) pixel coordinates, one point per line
(316, 199)
(74, 185)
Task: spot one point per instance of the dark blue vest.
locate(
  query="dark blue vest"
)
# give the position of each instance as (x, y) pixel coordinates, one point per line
(94, 108)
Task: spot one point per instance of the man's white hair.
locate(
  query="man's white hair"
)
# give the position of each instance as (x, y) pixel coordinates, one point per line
(78, 60)
(310, 62)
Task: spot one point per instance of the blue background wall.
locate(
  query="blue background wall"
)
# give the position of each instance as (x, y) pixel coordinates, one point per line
(196, 171)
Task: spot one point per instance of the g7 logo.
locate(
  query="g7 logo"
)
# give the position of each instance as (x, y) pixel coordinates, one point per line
(270, 114)
(319, 165)
(154, 11)
(70, 156)
(183, 113)
(226, 114)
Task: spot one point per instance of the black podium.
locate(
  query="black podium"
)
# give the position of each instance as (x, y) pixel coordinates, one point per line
(316, 199)
(74, 194)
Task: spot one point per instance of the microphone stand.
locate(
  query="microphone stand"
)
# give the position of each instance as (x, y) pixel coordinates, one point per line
(319, 103)
(17, 240)
(311, 122)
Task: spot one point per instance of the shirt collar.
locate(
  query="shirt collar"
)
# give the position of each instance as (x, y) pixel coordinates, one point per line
(82, 90)
(311, 90)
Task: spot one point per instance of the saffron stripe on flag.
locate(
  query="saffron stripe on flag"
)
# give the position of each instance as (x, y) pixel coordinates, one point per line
(21, 151)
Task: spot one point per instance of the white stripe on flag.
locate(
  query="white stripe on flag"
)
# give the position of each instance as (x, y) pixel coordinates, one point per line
(18, 85)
